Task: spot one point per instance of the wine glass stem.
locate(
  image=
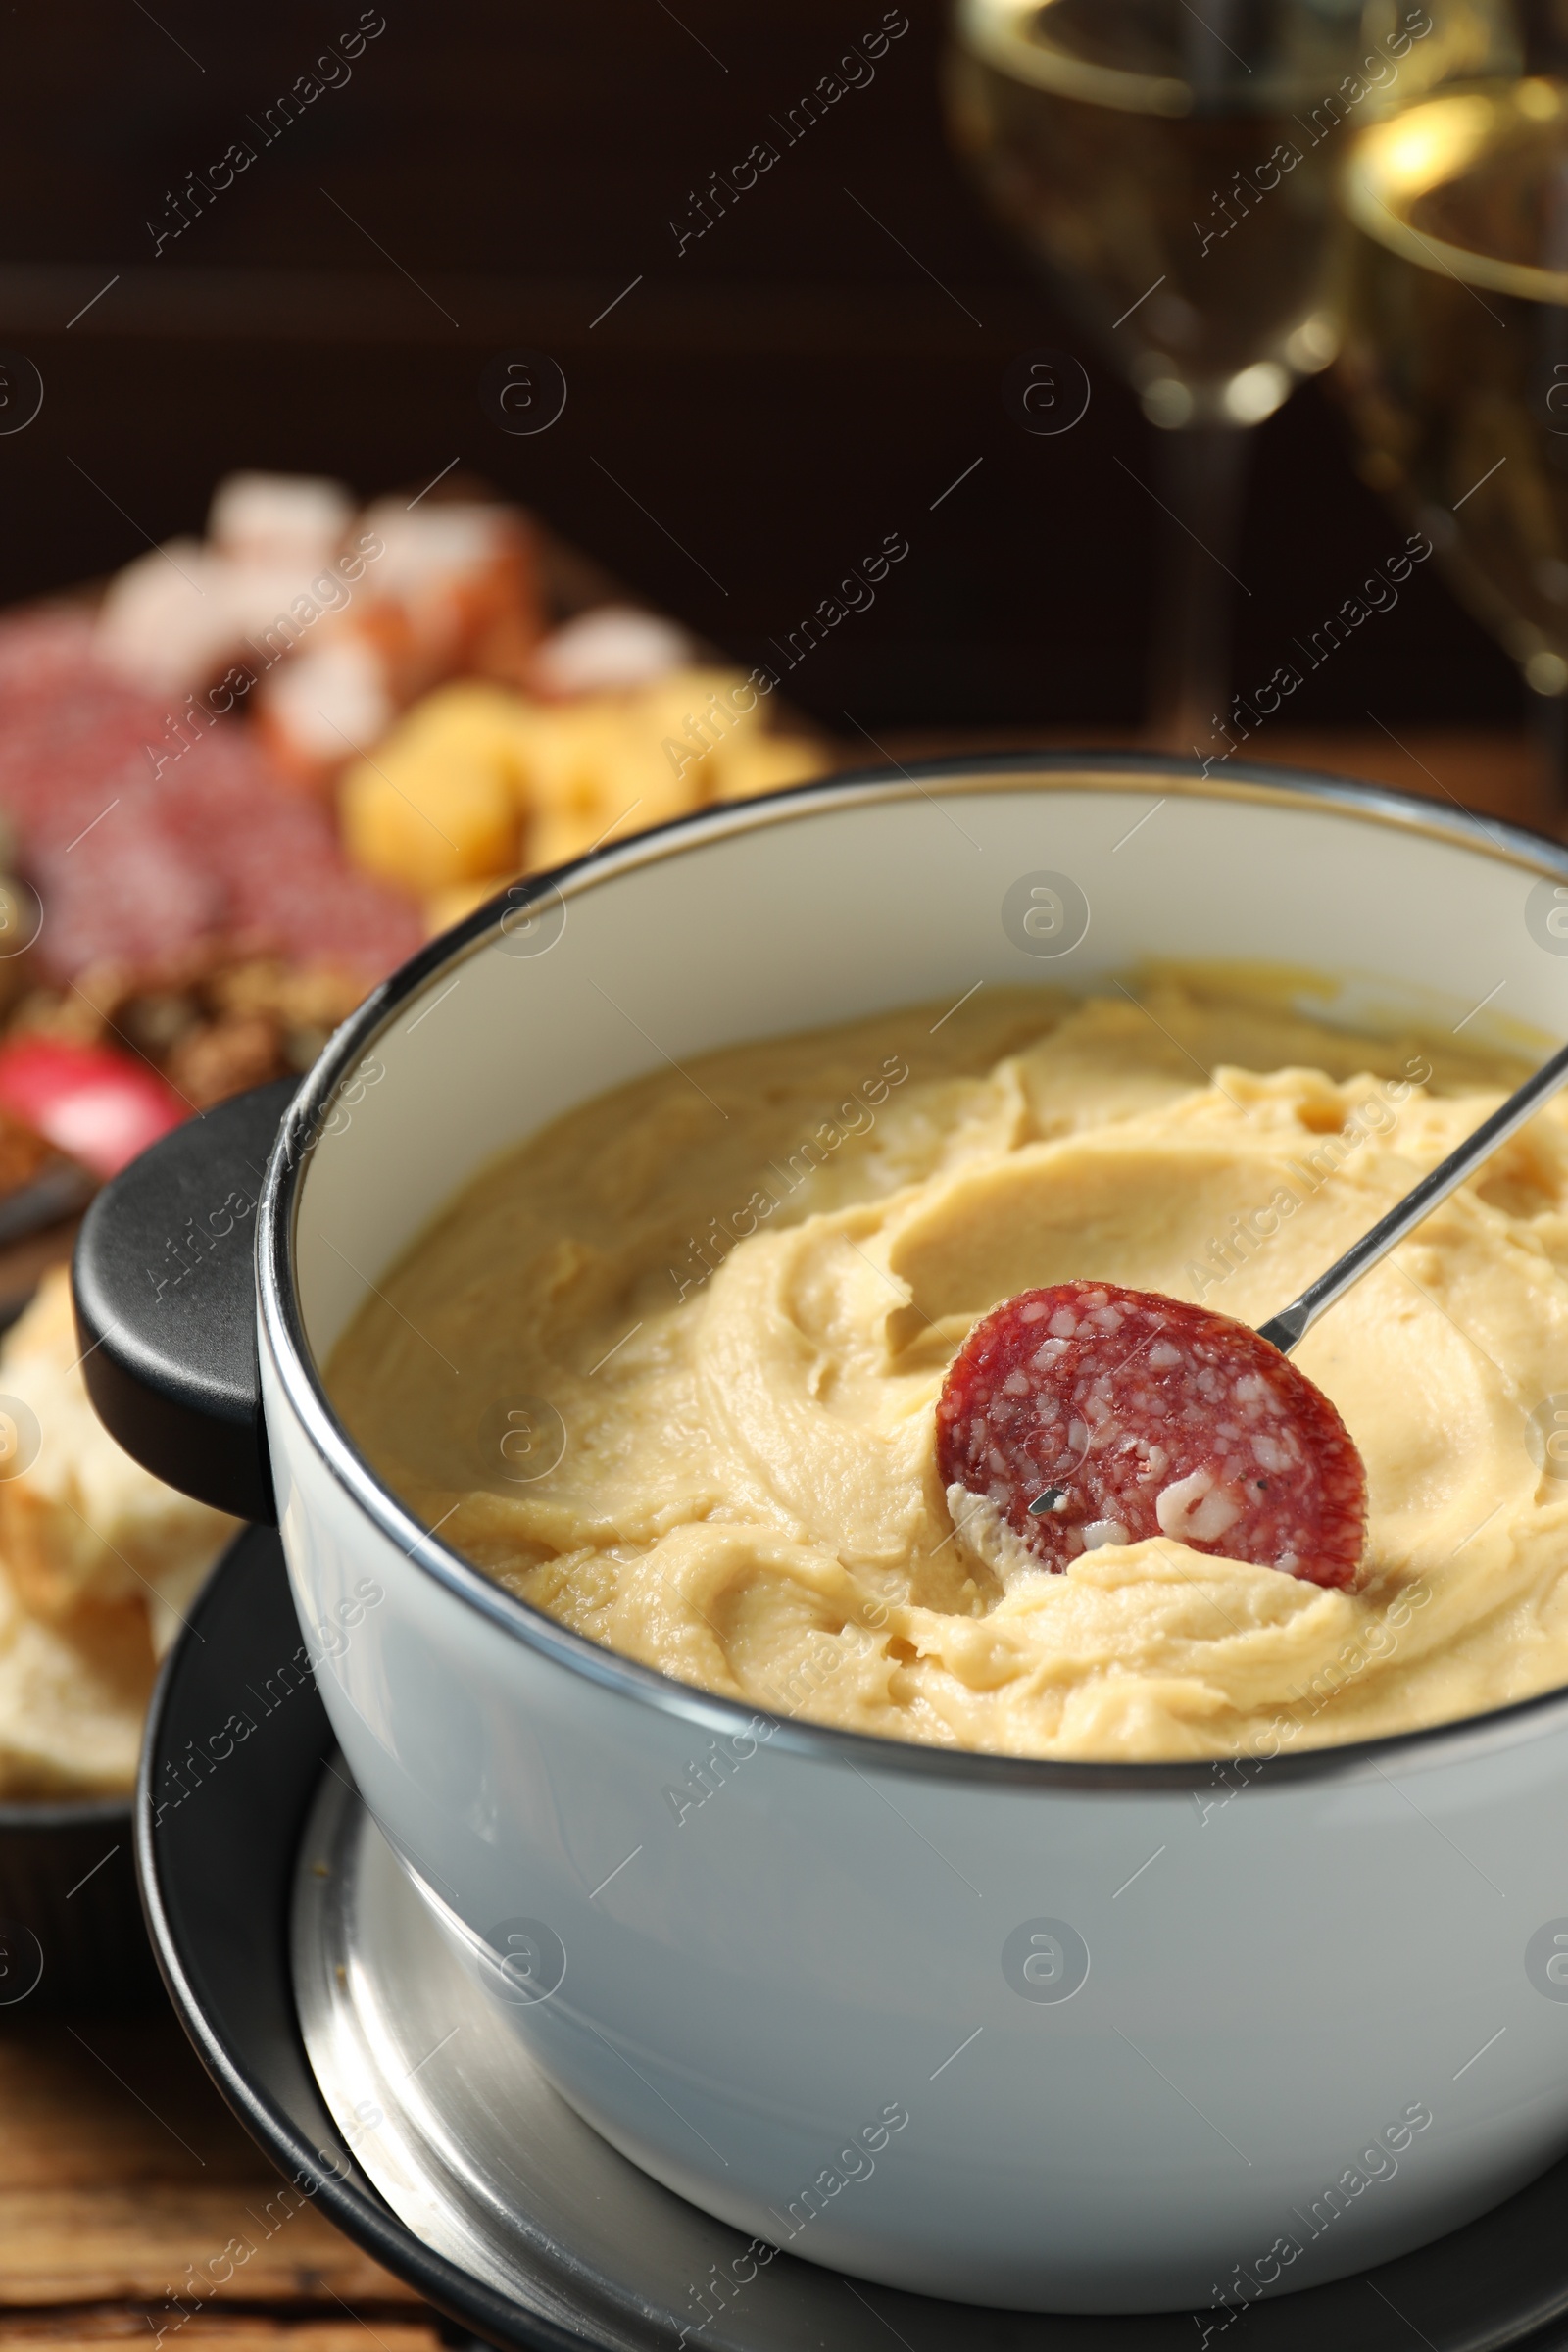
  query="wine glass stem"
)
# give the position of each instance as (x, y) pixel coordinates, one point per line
(1202, 474)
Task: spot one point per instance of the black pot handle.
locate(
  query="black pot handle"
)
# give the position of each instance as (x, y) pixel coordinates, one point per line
(165, 1283)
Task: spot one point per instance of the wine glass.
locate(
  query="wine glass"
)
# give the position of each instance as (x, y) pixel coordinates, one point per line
(1171, 164)
(1455, 365)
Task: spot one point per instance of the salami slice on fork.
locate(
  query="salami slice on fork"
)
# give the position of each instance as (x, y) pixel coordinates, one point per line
(1084, 1414)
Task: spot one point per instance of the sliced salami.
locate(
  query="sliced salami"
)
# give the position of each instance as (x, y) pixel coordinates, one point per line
(124, 894)
(151, 835)
(1086, 1414)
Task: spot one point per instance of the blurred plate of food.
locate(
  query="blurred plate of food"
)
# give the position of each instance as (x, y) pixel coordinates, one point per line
(239, 783)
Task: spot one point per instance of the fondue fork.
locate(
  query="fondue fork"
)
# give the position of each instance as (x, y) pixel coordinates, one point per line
(1284, 1330)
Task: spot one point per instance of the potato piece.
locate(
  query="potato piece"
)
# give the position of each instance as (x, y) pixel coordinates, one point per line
(615, 781)
(468, 719)
(565, 753)
(435, 804)
(426, 817)
(83, 1524)
(444, 907)
(696, 713)
(766, 763)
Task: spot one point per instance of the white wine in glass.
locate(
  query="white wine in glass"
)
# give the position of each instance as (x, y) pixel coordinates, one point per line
(1172, 165)
(1456, 347)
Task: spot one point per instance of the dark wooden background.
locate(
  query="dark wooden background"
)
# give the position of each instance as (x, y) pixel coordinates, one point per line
(769, 404)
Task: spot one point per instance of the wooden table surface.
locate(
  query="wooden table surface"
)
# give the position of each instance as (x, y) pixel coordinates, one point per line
(122, 2172)
(1504, 775)
(122, 2176)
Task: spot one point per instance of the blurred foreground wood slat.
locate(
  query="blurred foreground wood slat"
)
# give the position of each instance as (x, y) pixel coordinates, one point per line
(122, 2182)
(240, 2331)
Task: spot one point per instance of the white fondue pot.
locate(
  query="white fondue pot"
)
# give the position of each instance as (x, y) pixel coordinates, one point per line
(1073, 2037)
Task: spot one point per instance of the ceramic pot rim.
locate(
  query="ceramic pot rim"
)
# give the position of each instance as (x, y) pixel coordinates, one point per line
(516, 1620)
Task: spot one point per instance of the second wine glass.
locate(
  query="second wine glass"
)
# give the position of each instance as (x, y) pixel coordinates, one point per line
(1172, 163)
